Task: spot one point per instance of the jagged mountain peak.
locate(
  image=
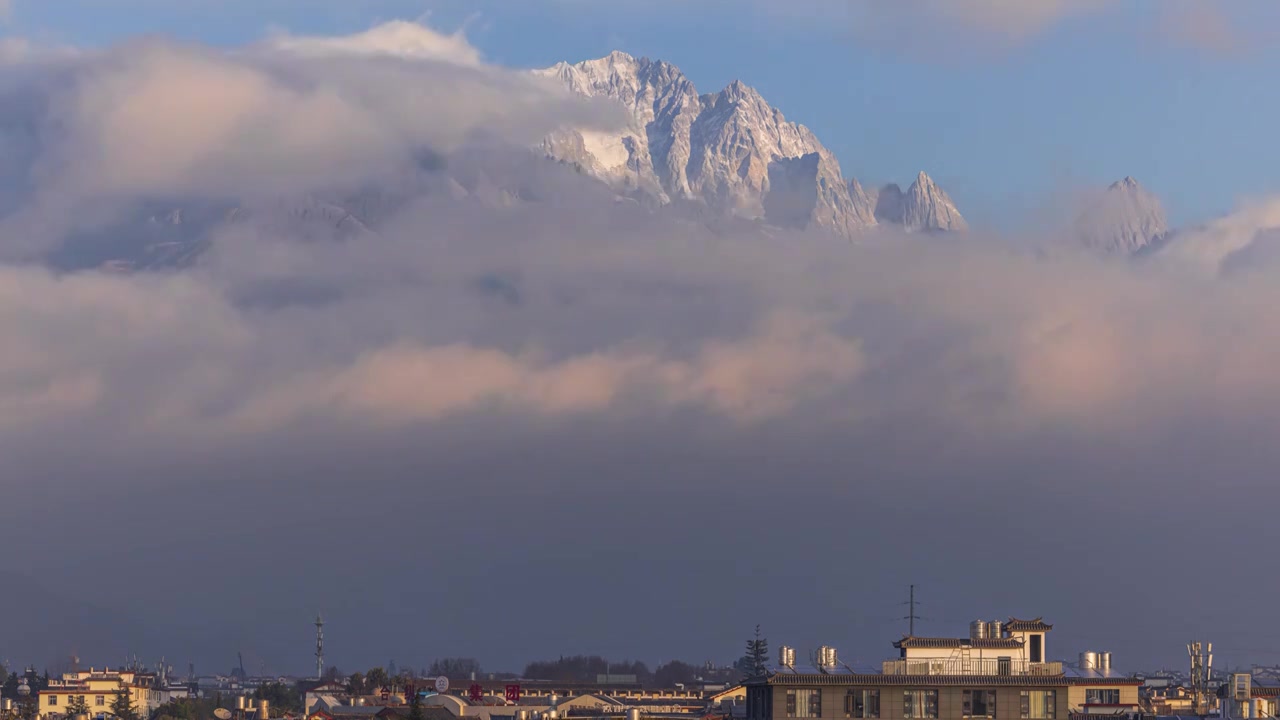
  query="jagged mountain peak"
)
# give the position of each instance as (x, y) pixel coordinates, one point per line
(1124, 220)
(738, 91)
(1127, 183)
(929, 207)
(924, 206)
(727, 151)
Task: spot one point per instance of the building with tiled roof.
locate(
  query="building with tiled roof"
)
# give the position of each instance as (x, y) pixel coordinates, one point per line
(96, 689)
(1035, 625)
(927, 643)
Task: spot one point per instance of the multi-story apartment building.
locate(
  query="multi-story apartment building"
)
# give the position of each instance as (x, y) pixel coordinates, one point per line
(998, 672)
(97, 689)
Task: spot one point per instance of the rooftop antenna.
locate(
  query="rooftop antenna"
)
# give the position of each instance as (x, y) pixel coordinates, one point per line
(1201, 671)
(911, 617)
(319, 646)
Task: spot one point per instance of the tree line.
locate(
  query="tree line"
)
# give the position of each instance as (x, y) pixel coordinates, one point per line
(586, 669)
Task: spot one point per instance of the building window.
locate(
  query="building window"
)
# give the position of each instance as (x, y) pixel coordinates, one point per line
(53, 699)
(100, 700)
(804, 703)
(1039, 704)
(979, 703)
(1102, 697)
(919, 704)
(862, 704)
(1037, 648)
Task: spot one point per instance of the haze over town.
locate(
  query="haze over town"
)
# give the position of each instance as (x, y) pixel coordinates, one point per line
(751, 313)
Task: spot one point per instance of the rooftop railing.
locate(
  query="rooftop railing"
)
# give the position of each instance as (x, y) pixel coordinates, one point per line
(972, 666)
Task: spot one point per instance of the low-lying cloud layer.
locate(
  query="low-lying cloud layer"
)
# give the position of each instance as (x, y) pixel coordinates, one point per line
(502, 392)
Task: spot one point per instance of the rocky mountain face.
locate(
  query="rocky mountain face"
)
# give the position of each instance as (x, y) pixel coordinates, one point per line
(924, 207)
(1125, 219)
(928, 208)
(730, 151)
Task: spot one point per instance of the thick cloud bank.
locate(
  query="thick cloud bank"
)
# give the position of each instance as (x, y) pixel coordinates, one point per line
(405, 368)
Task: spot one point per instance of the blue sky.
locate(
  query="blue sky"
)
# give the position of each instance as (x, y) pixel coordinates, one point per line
(1006, 123)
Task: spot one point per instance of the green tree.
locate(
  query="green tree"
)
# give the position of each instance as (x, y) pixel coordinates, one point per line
(28, 707)
(754, 662)
(376, 679)
(77, 706)
(280, 695)
(454, 668)
(415, 707)
(122, 705)
(357, 685)
(674, 673)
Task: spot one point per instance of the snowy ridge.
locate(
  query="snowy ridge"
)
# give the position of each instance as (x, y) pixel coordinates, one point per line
(730, 151)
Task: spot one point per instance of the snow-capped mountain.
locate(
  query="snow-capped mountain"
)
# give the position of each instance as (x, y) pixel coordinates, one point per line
(730, 151)
(1123, 220)
(726, 156)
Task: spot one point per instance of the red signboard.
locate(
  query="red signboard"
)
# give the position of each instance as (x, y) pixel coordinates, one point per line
(476, 692)
(513, 693)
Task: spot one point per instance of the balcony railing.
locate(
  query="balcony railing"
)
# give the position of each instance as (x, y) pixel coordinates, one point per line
(972, 666)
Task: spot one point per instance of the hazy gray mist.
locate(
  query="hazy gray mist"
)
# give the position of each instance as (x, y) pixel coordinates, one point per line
(508, 415)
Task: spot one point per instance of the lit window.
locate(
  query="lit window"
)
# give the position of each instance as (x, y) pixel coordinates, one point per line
(862, 704)
(804, 703)
(920, 704)
(979, 703)
(1102, 696)
(1039, 704)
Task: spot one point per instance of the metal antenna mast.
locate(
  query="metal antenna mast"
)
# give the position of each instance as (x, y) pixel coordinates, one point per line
(911, 617)
(1201, 673)
(319, 646)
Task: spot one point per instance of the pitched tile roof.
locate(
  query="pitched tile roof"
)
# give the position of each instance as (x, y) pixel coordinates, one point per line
(909, 641)
(1036, 625)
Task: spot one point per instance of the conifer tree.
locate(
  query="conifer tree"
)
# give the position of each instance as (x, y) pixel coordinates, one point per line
(122, 705)
(754, 662)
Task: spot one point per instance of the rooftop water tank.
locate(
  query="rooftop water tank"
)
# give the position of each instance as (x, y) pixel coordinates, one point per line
(978, 630)
(787, 656)
(1088, 661)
